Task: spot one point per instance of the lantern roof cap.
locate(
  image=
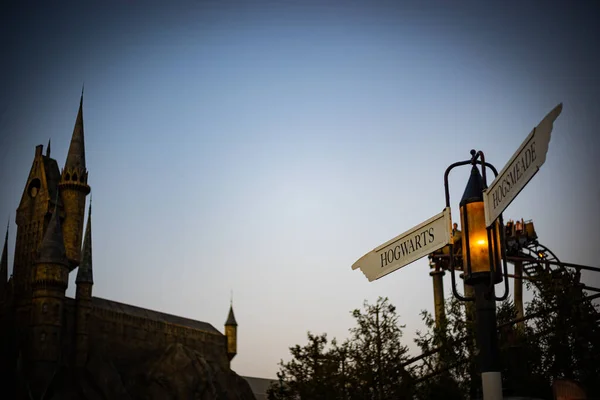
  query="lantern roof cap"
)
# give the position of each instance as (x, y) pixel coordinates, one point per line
(474, 190)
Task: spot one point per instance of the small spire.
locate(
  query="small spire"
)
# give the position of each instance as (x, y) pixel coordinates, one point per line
(84, 272)
(231, 318)
(231, 299)
(4, 262)
(76, 154)
(48, 148)
(52, 248)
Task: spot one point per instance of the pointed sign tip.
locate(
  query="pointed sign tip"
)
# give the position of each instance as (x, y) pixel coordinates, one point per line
(556, 112)
(551, 116)
(559, 108)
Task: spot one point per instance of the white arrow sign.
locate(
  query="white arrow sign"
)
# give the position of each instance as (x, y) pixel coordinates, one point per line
(408, 247)
(519, 170)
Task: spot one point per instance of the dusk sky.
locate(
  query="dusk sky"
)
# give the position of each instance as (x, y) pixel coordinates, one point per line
(263, 147)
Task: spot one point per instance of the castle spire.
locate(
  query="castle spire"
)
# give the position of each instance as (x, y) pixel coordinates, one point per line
(231, 334)
(85, 272)
(4, 264)
(76, 154)
(73, 189)
(52, 248)
(231, 318)
(48, 148)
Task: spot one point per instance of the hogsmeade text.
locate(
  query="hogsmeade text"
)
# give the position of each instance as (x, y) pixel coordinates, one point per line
(408, 246)
(514, 175)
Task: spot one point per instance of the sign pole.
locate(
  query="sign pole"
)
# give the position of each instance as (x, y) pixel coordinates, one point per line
(487, 341)
(438, 294)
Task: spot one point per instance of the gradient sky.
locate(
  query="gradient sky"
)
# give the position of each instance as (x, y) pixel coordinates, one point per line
(263, 147)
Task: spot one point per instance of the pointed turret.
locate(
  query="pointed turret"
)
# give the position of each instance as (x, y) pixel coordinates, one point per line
(4, 267)
(231, 318)
(76, 154)
(85, 272)
(83, 295)
(74, 188)
(231, 334)
(49, 282)
(48, 148)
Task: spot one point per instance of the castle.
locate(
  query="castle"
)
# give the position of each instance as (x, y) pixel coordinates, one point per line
(41, 329)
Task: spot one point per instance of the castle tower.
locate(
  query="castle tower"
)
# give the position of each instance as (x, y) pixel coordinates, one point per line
(49, 282)
(4, 270)
(32, 218)
(231, 334)
(74, 188)
(83, 295)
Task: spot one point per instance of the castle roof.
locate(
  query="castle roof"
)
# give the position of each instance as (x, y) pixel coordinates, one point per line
(85, 272)
(76, 154)
(260, 386)
(231, 318)
(52, 248)
(115, 306)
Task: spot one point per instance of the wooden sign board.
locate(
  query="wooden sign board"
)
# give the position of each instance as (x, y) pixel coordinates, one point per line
(519, 170)
(408, 247)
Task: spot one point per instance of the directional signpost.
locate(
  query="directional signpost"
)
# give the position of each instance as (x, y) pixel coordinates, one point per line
(435, 233)
(519, 170)
(408, 247)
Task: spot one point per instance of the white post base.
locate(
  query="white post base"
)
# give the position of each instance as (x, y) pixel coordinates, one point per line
(492, 385)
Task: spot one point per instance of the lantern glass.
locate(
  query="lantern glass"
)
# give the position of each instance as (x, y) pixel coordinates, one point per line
(497, 248)
(474, 227)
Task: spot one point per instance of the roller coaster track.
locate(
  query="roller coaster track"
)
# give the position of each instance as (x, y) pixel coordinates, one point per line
(464, 339)
(539, 264)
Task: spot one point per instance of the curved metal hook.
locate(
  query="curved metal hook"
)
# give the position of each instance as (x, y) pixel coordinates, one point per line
(473, 160)
(454, 291)
(477, 157)
(504, 263)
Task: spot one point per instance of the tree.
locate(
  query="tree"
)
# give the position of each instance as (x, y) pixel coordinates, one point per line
(566, 331)
(455, 346)
(451, 368)
(562, 340)
(311, 374)
(367, 366)
(377, 352)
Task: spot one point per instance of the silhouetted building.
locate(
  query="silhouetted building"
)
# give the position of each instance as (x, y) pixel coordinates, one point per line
(260, 386)
(43, 330)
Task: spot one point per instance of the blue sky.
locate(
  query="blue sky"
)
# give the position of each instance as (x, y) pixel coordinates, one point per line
(263, 147)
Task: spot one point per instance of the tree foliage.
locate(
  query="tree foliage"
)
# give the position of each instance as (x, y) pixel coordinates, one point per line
(367, 366)
(565, 335)
(377, 353)
(562, 341)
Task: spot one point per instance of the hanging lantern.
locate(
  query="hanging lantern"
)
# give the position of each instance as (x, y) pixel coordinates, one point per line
(481, 247)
